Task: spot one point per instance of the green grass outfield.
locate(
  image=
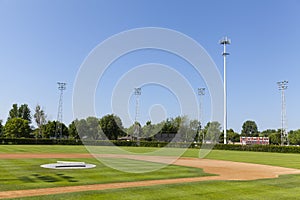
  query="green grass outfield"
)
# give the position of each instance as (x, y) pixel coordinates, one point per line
(276, 159)
(285, 187)
(26, 174)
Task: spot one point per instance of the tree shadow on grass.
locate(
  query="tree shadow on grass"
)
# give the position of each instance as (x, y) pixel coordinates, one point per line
(58, 177)
(46, 178)
(67, 178)
(26, 179)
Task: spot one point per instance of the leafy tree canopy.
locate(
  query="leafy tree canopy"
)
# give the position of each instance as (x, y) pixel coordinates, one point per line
(17, 128)
(20, 112)
(249, 128)
(1, 128)
(294, 137)
(40, 119)
(212, 131)
(73, 133)
(50, 130)
(111, 126)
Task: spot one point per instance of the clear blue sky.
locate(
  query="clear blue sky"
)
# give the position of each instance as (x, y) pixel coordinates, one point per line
(42, 42)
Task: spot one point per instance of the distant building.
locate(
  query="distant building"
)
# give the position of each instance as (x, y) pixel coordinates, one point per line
(168, 137)
(254, 140)
(126, 138)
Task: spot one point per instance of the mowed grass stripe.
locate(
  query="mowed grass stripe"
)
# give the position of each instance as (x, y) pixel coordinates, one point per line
(276, 159)
(288, 160)
(17, 174)
(284, 187)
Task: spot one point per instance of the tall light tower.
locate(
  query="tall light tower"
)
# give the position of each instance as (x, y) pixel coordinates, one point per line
(61, 88)
(201, 92)
(282, 86)
(224, 42)
(137, 93)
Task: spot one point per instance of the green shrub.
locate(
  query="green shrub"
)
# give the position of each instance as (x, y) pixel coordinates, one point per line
(234, 147)
(32, 141)
(259, 148)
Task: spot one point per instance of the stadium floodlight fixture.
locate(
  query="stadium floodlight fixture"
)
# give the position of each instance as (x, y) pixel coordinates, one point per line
(137, 93)
(59, 128)
(225, 41)
(282, 86)
(201, 92)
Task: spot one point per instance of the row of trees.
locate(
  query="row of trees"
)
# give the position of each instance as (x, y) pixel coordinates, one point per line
(185, 128)
(19, 125)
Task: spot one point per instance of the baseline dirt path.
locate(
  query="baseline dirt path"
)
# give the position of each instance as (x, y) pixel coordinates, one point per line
(226, 170)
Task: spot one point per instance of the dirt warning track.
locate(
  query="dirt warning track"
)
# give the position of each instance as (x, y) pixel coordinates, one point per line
(224, 170)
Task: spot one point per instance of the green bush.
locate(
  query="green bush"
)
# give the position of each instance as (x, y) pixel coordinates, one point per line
(32, 141)
(234, 147)
(259, 148)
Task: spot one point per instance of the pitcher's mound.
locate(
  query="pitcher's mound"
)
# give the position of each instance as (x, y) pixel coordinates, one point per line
(68, 165)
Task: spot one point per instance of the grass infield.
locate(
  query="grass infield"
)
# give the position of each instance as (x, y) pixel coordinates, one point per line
(18, 174)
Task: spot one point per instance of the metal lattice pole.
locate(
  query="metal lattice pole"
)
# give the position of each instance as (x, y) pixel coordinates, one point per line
(282, 86)
(137, 93)
(61, 88)
(201, 92)
(224, 42)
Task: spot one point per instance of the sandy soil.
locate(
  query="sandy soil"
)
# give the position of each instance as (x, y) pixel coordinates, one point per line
(226, 170)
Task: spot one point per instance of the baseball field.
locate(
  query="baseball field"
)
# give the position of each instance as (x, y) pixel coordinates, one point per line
(221, 175)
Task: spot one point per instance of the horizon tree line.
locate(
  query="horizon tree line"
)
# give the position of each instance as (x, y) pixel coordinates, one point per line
(19, 125)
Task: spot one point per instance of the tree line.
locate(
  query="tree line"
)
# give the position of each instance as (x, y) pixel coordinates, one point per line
(20, 119)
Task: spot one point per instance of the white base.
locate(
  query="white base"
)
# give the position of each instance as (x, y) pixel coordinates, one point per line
(68, 165)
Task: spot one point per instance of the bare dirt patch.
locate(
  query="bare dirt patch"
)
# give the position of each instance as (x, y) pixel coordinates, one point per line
(226, 170)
